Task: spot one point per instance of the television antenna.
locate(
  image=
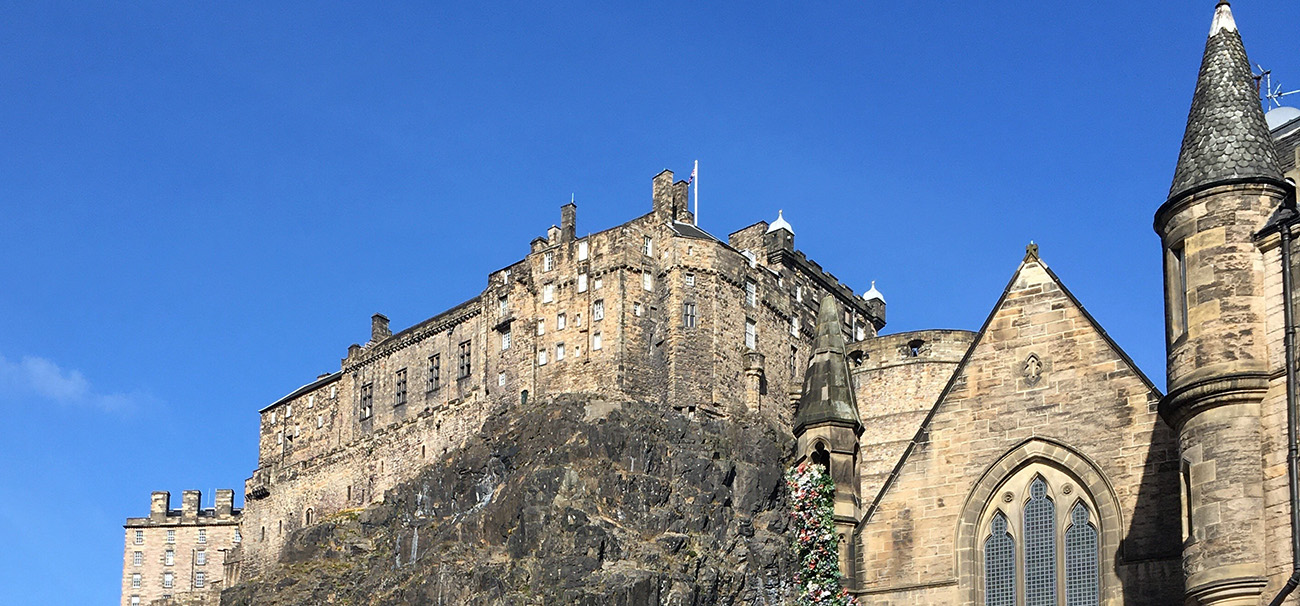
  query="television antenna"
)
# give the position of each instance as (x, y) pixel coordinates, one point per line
(1273, 94)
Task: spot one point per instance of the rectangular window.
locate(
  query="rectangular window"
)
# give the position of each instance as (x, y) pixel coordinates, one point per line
(751, 293)
(171, 536)
(637, 310)
(560, 322)
(311, 400)
(139, 537)
(595, 340)
(169, 557)
(279, 438)
(463, 360)
(647, 280)
(598, 311)
(598, 283)
(399, 390)
(559, 352)
(199, 579)
(541, 357)
(689, 279)
(751, 334)
(200, 557)
(548, 293)
(203, 535)
(648, 246)
(367, 400)
(137, 558)
(541, 326)
(135, 600)
(501, 378)
(1177, 292)
(288, 411)
(273, 417)
(503, 304)
(582, 282)
(688, 315)
(320, 421)
(577, 319)
(582, 250)
(548, 261)
(505, 340)
(135, 581)
(167, 580)
(435, 372)
(238, 537)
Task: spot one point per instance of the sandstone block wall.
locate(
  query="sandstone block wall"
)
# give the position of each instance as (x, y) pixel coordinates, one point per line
(197, 540)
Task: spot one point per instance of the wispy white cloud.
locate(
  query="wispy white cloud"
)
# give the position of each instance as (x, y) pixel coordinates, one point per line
(34, 377)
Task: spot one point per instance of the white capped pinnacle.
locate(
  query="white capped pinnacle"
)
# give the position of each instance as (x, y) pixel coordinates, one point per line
(1222, 19)
(779, 223)
(873, 293)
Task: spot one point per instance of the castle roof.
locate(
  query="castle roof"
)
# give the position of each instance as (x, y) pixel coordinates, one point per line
(780, 223)
(827, 393)
(1227, 139)
(873, 293)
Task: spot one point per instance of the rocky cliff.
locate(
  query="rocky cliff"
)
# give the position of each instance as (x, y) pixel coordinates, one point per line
(570, 500)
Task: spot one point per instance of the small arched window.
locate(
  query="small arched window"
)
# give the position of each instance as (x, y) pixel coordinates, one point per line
(821, 457)
(914, 348)
(309, 516)
(999, 564)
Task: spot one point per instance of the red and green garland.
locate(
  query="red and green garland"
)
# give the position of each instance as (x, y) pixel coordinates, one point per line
(812, 502)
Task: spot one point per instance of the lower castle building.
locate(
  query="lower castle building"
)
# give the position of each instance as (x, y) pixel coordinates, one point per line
(1029, 462)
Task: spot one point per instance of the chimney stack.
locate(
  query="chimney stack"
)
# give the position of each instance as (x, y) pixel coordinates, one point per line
(225, 502)
(379, 328)
(190, 500)
(158, 503)
(568, 222)
(662, 192)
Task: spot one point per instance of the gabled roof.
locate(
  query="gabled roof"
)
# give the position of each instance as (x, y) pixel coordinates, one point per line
(1031, 257)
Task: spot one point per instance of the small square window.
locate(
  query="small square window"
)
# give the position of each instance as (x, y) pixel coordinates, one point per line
(135, 600)
(689, 279)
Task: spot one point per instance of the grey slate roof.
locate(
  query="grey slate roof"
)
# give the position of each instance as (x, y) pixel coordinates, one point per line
(1226, 138)
(827, 392)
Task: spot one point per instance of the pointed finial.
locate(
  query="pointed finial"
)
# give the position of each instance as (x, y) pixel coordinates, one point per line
(1031, 251)
(1222, 18)
(873, 293)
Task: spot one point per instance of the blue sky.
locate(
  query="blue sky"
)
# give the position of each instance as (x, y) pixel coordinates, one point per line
(203, 204)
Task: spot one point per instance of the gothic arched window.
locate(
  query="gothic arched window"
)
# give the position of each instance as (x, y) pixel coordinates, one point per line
(1034, 553)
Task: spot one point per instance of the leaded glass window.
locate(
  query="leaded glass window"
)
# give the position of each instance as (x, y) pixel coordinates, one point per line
(999, 565)
(1040, 547)
(1081, 566)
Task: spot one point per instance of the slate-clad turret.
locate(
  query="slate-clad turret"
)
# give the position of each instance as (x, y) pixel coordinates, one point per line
(827, 427)
(827, 392)
(1227, 138)
(1226, 186)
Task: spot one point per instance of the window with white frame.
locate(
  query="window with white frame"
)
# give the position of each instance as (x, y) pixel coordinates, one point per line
(167, 580)
(505, 339)
(595, 340)
(501, 378)
(320, 421)
(598, 311)
(598, 283)
(751, 334)
(503, 304)
(169, 558)
(559, 352)
(548, 261)
(171, 536)
(139, 537)
(200, 557)
(577, 319)
(548, 293)
(137, 558)
(135, 581)
(798, 293)
(689, 279)
(560, 321)
(582, 250)
(541, 326)
(688, 314)
(648, 246)
(637, 310)
(135, 600)
(541, 357)
(367, 400)
(288, 411)
(199, 579)
(311, 400)
(237, 538)
(751, 293)
(795, 325)
(203, 535)
(647, 280)
(582, 282)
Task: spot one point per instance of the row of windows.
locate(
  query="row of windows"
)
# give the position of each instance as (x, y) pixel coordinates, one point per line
(542, 353)
(200, 537)
(548, 257)
(464, 367)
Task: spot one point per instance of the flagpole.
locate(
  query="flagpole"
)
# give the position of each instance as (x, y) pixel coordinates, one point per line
(696, 173)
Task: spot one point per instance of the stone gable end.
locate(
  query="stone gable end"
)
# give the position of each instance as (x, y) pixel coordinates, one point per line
(1043, 378)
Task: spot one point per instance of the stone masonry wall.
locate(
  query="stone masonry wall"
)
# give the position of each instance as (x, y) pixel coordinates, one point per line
(197, 540)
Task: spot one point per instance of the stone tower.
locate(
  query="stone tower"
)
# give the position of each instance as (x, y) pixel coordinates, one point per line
(1226, 185)
(827, 426)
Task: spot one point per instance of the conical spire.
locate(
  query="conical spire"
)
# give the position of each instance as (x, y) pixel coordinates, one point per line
(827, 392)
(1226, 138)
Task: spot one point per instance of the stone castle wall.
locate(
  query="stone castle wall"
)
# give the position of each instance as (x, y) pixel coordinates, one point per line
(197, 540)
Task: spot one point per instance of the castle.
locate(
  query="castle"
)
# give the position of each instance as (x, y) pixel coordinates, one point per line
(1029, 462)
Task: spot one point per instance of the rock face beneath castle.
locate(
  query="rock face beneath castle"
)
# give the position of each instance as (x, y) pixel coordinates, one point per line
(568, 500)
